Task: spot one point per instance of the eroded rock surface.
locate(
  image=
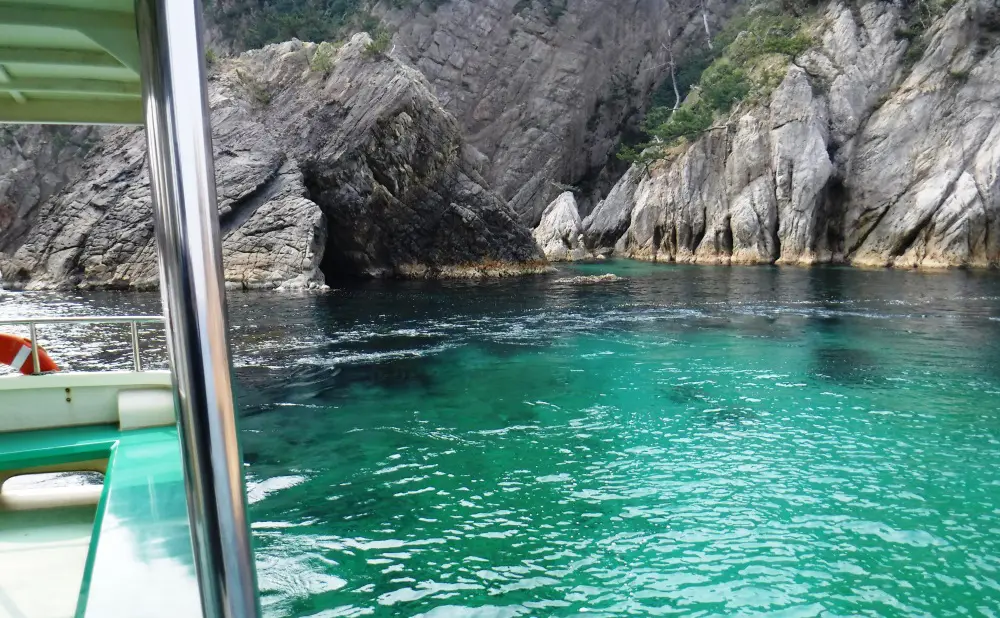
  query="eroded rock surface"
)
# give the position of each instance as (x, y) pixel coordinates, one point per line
(560, 232)
(544, 88)
(858, 158)
(344, 167)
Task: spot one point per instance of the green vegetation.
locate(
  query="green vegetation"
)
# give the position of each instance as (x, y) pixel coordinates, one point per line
(959, 76)
(322, 60)
(210, 57)
(255, 23)
(919, 15)
(554, 9)
(7, 136)
(381, 42)
(431, 4)
(746, 62)
(687, 121)
(255, 90)
(723, 84)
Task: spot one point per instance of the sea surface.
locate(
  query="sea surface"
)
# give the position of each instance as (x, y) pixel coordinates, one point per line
(689, 441)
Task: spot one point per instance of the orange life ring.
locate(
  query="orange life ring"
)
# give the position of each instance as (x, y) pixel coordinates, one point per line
(16, 352)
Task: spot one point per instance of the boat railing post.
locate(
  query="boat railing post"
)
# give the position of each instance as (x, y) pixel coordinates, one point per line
(136, 358)
(36, 364)
(186, 216)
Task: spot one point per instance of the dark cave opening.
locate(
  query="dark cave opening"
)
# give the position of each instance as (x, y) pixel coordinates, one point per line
(830, 230)
(340, 253)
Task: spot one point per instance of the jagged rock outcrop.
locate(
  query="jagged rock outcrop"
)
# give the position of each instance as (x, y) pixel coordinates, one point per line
(545, 88)
(560, 232)
(342, 166)
(858, 157)
(37, 162)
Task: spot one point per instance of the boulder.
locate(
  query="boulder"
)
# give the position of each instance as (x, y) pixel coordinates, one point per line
(591, 279)
(560, 232)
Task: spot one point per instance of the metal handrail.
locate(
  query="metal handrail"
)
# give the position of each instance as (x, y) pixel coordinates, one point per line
(133, 320)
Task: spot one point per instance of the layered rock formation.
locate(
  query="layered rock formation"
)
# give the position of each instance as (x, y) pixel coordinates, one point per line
(857, 158)
(36, 163)
(877, 148)
(545, 88)
(341, 165)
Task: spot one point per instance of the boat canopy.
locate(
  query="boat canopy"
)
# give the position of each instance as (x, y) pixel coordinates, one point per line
(69, 62)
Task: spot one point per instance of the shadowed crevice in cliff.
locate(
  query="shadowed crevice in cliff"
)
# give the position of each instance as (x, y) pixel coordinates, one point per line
(343, 256)
(236, 214)
(828, 233)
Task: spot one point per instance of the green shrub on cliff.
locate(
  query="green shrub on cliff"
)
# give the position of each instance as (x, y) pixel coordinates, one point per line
(381, 42)
(741, 64)
(723, 84)
(322, 60)
(553, 9)
(255, 23)
(918, 16)
(761, 32)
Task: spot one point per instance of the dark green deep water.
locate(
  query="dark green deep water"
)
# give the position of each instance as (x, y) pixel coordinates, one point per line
(691, 441)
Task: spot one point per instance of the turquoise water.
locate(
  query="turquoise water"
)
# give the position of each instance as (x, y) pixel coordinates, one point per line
(690, 441)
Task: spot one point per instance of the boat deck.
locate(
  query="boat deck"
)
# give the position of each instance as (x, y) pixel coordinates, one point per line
(42, 557)
(119, 549)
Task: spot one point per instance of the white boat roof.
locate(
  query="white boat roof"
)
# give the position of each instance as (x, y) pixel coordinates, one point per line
(69, 61)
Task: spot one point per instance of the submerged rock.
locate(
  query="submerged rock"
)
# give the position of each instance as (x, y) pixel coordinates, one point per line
(345, 165)
(560, 233)
(857, 157)
(591, 279)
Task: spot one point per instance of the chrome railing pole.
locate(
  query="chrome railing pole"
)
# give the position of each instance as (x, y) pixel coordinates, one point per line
(36, 365)
(182, 183)
(136, 359)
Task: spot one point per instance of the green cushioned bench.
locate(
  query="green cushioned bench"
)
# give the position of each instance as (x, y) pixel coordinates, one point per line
(133, 548)
(49, 447)
(141, 562)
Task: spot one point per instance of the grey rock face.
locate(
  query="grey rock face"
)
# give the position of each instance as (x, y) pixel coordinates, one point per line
(545, 93)
(346, 169)
(610, 220)
(36, 162)
(856, 159)
(560, 233)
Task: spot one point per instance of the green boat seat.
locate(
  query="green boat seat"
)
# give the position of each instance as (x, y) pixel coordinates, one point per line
(128, 555)
(141, 561)
(45, 533)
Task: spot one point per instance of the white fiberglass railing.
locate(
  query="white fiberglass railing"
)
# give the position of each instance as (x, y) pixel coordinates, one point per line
(133, 320)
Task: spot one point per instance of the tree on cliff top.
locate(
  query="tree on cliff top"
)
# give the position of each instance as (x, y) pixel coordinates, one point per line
(254, 23)
(722, 75)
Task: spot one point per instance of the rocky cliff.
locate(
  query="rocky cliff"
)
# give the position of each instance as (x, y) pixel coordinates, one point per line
(330, 162)
(545, 88)
(877, 148)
